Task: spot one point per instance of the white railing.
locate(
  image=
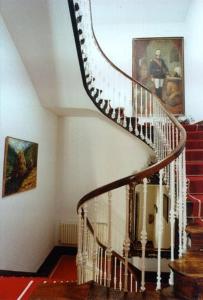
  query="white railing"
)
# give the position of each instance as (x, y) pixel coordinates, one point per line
(146, 118)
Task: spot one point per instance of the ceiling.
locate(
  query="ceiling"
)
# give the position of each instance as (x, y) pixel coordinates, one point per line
(41, 29)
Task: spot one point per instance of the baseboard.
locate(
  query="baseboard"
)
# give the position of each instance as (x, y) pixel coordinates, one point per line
(48, 264)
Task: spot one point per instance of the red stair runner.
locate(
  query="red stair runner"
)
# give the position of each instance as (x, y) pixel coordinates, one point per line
(194, 169)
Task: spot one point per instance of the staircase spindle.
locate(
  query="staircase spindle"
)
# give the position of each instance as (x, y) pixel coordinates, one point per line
(184, 202)
(127, 240)
(85, 255)
(180, 206)
(144, 234)
(101, 266)
(120, 276)
(115, 266)
(105, 268)
(97, 264)
(79, 253)
(131, 282)
(95, 242)
(141, 113)
(172, 215)
(160, 227)
(108, 252)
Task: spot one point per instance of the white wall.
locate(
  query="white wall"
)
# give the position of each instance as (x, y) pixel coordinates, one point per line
(117, 41)
(194, 61)
(93, 152)
(26, 219)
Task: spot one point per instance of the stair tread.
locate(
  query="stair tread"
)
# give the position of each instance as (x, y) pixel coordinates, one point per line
(195, 177)
(195, 197)
(194, 150)
(194, 229)
(194, 162)
(190, 266)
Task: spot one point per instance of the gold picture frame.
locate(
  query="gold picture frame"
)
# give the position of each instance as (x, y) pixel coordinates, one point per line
(158, 64)
(20, 166)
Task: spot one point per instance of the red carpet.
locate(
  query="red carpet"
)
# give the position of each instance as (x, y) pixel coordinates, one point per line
(20, 288)
(194, 169)
(65, 269)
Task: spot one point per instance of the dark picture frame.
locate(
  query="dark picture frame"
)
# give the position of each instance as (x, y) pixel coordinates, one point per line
(158, 64)
(20, 166)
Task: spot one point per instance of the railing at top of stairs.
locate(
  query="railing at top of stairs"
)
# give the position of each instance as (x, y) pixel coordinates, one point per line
(146, 118)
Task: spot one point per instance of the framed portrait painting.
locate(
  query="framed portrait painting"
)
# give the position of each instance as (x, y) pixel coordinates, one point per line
(20, 166)
(158, 64)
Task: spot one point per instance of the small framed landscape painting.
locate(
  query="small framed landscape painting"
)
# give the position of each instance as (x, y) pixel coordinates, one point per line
(20, 166)
(158, 64)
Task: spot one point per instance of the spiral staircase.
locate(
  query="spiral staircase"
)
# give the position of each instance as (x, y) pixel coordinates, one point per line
(105, 261)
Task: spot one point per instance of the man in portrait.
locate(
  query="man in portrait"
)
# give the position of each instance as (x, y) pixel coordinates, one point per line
(158, 71)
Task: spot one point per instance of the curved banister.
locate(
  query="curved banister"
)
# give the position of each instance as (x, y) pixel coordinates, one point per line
(150, 170)
(163, 162)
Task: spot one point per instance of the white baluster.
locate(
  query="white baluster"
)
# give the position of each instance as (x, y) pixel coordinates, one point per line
(172, 215)
(144, 235)
(150, 120)
(85, 256)
(146, 117)
(108, 251)
(105, 268)
(180, 206)
(120, 276)
(101, 266)
(127, 240)
(115, 265)
(184, 203)
(95, 242)
(141, 113)
(79, 254)
(97, 269)
(136, 111)
(160, 228)
(173, 137)
(131, 282)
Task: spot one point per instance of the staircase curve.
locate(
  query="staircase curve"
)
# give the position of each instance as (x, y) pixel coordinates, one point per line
(103, 256)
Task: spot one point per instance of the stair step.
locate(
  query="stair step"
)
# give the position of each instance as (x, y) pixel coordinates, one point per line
(195, 206)
(168, 294)
(195, 184)
(188, 277)
(194, 167)
(195, 134)
(194, 144)
(194, 154)
(193, 127)
(194, 229)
